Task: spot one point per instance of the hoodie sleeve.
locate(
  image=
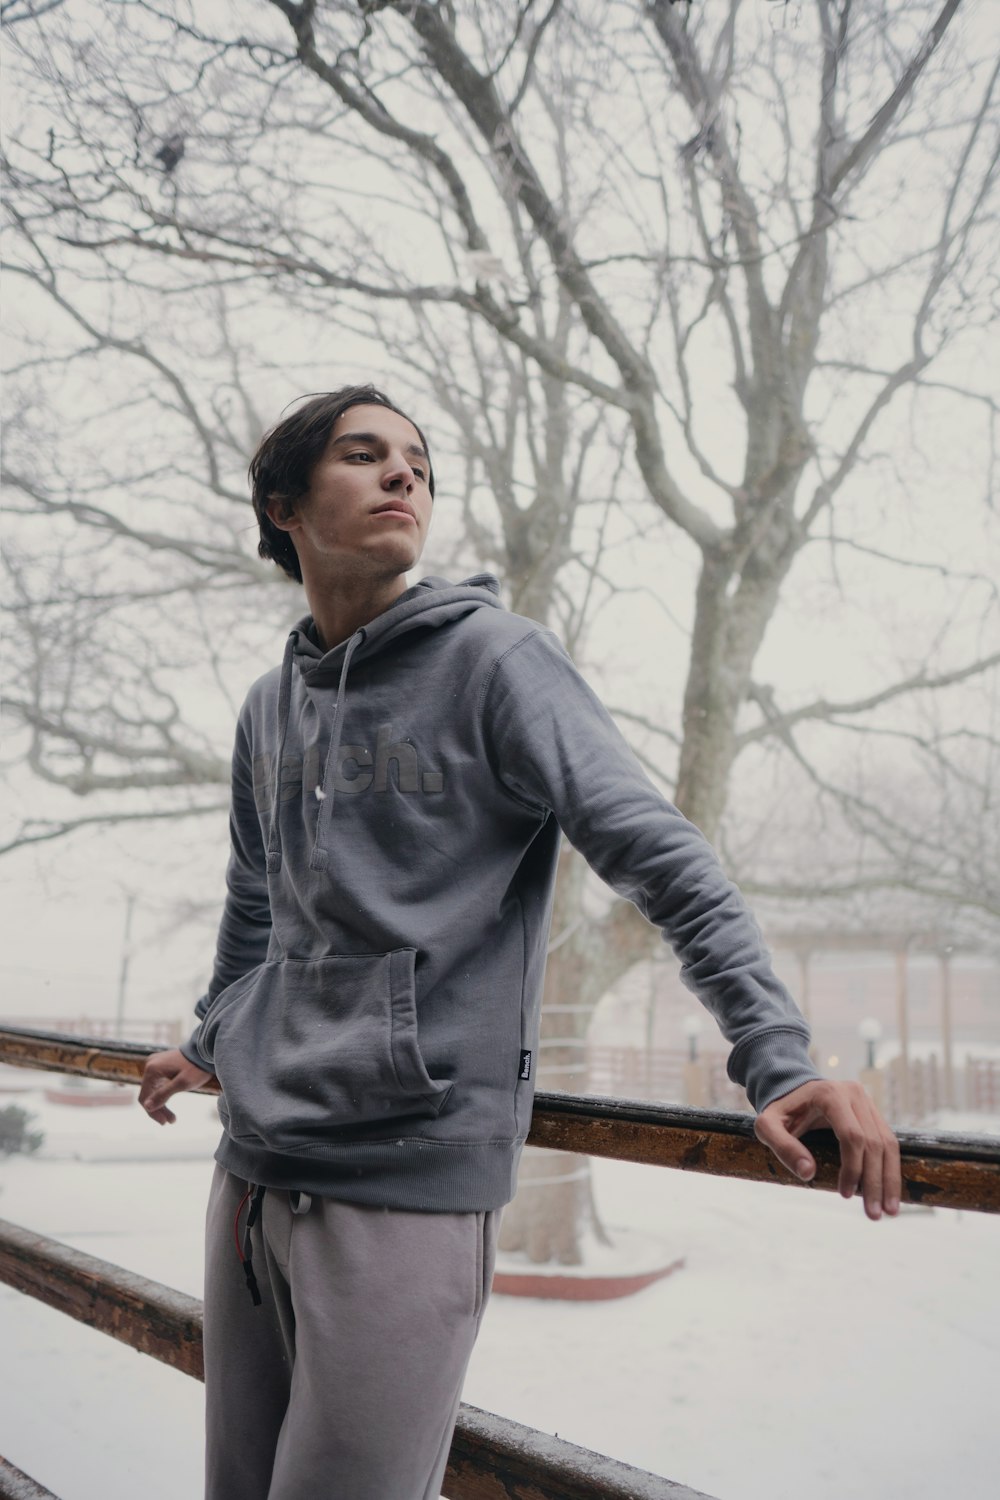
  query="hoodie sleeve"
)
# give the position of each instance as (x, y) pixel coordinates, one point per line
(245, 928)
(556, 748)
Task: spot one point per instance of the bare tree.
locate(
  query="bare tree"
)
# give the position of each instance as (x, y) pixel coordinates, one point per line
(632, 250)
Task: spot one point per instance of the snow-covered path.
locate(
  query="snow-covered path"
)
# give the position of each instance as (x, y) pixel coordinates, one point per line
(801, 1350)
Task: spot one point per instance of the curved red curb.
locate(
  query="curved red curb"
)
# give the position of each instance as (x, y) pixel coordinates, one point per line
(88, 1100)
(580, 1286)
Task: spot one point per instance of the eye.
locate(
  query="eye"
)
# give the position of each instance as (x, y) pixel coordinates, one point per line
(418, 471)
(362, 453)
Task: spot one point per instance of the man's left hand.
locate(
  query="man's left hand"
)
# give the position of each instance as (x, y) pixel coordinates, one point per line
(869, 1151)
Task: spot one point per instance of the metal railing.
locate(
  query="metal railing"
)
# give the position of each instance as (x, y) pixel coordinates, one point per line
(491, 1458)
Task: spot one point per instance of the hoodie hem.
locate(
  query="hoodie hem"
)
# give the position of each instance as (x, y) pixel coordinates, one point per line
(420, 1175)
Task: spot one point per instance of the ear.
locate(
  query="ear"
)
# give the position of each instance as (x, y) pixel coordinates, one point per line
(281, 513)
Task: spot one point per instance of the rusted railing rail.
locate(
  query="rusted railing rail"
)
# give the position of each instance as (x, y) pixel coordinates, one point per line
(491, 1458)
(15, 1485)
(942, 1170)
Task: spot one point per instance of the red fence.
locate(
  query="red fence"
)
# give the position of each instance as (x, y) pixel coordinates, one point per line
(666, 1075)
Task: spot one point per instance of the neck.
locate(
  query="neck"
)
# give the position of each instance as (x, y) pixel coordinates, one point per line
(339, 609)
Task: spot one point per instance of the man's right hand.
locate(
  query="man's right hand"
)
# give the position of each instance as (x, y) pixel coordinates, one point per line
(168, 1073)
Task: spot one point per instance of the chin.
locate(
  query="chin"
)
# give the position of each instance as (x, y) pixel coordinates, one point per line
(408, 558)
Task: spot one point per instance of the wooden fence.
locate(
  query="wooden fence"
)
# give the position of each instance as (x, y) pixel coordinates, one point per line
(982, 1085)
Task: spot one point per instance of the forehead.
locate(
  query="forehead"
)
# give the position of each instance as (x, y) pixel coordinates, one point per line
(380, 421)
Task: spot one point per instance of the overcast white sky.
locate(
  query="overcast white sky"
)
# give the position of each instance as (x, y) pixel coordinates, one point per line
(848, 625)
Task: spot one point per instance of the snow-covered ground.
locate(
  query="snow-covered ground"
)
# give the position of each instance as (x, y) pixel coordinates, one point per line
(802, 1350)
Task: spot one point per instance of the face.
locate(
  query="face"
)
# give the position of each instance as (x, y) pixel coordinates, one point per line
(369, 502)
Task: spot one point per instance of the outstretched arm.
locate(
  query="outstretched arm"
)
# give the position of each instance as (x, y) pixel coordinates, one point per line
(556, 746)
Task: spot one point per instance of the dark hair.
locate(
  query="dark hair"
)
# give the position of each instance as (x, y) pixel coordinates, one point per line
(282, 467)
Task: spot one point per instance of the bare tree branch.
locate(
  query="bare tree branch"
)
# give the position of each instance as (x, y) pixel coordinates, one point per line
(41, 831)
(778, 721)
(862, 153)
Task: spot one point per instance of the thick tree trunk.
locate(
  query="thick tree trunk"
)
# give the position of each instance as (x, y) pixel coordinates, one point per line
(554, 1212)
(729, 627)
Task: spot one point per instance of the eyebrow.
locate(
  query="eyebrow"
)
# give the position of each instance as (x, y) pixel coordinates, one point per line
(376, 441)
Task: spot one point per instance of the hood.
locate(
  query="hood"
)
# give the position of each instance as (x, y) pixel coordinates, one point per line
(430, 603)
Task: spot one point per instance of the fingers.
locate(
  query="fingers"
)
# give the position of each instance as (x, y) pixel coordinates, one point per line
(851, 1135)
(869, 1152)
(865, 1175)
(886, 1186)
(155, 1106)
(162, 1116)
(771, 1132)
(159, 1082)
(892, 1168)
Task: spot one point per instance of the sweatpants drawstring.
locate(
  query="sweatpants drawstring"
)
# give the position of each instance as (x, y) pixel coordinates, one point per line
(256, 1195)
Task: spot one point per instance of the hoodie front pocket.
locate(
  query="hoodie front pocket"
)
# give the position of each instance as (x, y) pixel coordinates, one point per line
(324, 1050)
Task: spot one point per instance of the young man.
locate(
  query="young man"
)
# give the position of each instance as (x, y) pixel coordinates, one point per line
(400, 787)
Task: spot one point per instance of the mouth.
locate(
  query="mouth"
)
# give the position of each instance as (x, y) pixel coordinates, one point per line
(399, 509)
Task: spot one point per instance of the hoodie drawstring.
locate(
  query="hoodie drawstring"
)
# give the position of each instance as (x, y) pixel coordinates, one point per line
(319, 859)
(284, 703)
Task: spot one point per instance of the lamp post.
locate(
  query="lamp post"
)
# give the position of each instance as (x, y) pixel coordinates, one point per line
(695, 1074)
(692, 1030)
(944, 959)
(871, 1078)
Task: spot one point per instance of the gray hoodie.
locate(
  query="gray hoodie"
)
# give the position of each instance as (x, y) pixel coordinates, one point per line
(396, 812)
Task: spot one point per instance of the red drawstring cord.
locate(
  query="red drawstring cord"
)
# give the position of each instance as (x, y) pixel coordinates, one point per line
(246, 1257)
(236, 1223)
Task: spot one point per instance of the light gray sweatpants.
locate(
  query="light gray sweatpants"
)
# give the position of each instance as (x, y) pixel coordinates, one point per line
(344, 1383)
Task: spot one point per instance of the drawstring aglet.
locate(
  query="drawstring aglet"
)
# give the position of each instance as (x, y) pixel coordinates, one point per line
(255, 1206)
(251, 1282)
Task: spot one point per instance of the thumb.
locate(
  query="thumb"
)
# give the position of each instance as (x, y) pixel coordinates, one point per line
(771, 1132)
(155, 1101)
(161, 1091)
(157, 1087)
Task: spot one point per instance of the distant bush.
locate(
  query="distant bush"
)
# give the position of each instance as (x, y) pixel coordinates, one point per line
(14, 1132)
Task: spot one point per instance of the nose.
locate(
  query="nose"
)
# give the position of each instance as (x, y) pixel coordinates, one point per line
(398, 475)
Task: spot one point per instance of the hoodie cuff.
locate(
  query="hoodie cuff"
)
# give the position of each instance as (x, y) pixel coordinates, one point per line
(771, 1064)
(191, 1051)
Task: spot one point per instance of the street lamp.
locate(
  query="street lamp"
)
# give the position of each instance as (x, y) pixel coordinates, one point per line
(870, 1031)
(692, 1030)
